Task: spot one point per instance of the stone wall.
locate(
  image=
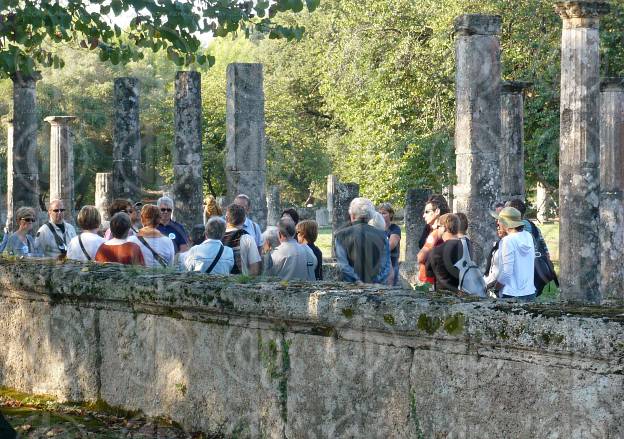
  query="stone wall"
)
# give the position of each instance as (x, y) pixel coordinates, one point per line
(301, 360)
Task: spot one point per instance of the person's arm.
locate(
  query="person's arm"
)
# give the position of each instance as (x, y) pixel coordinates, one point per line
(253, 258)
(395, 239)
(423, 254)
(507, 263)
(348, 273)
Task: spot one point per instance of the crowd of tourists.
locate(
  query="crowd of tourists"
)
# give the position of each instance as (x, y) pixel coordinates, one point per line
(230, 242)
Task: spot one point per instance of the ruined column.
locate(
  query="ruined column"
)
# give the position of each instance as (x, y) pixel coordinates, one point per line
(332, 180)
(579, 249)
(344, 193)
(187, 152)
(62, 163)
(511, 152)
(126, 140)
(103, 193)
(22, 170)
(542, 202)
(273, 206)
(612, 190)
(477, 125)
(415, 201)
(245, 168)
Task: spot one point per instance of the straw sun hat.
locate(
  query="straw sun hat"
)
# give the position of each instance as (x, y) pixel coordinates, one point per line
(509, 216)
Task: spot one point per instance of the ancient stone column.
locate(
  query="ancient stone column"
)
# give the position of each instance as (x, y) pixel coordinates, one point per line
(245, 168)
(187, 151)
(22, 169)
(579, 249)
(126, 140)
(415, 201)
(332, 180)
(344, 193)
(322, 217)
(541, 202)
(103, 193)
(477, 125)
(612, 190)
(62, 163)
(273, 205)
(511, 151)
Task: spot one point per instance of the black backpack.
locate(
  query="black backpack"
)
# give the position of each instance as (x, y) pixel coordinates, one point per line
(543, 271)
(232, 240)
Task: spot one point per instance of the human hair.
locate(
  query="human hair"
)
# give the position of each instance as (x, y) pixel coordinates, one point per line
(388, 208)
(235, 214)
(309, 230)
(212, 208)
(54, 201)
(119, 205)
(286, 227)
(272, 237)
(438, 201)
(89, 218)
(150, 215)
(164, 200)
(517, 204)
(450, 223)
(197, 234)
(292, 213)
(361, 208)
(215, 228)
(377, 221)
(245, 198)
(463, 222)
(119, 225)
(24, 212)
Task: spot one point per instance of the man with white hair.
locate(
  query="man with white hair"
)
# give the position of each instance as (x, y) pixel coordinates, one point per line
(52, 238)
(250, 226)
(175, 231)
(361, 248)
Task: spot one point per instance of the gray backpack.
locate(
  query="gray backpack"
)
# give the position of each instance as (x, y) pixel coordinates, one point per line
(470, 277)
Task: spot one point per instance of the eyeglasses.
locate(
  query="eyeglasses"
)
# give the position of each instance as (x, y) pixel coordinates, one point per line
(58, 210)
(28, 220)
(163, 210)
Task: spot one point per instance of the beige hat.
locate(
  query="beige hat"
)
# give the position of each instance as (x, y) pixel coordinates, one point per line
(510, 217)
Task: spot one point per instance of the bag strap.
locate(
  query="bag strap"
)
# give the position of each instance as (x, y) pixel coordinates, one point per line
(159, 258)
(84, 250)
(60, 242)
(216, 260)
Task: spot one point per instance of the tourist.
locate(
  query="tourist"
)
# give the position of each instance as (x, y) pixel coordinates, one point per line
(21, 242)
(271, 241)
(84, 246)
(246, 256)
(435, 207)
(211, 208)
(252, 228)
(122, 205)
(307, 232)
(174, 230)
(135, 216)
(378, 222)
(118, 249)
(211, 256)
(361, 248)
(393, 233)
(530, 226)
(292, 214)
(291, 260)
(516, 257)
(157, 249)
(54, 236)
(463, 224)
(492, 267)
(198, 233)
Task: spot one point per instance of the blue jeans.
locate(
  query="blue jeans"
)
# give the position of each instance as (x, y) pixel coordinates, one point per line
(527, 298)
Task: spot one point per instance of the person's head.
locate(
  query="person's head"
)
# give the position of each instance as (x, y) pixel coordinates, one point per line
(498, 206)
(510, 219)
(518, 205)
(89, 218)
(377, 221)
(197, 234)
(235, 215)
(215, 228)
(24, 218)
(165, 204)
(286, 229)
(56, 211)
(119, 225)
(271, 239)
(292, 214)
(150, 215)
(448, 224)
(136, 211)
(211, 208)
(307, 231)
(388, 213)
(244, 201)
(120, 205)
(435, 207)
(463, 222)
(361, 209)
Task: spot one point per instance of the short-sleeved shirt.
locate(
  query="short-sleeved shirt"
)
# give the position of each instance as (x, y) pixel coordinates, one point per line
(293, 261)
(200, 257)
(175, 231)
(394, 230)
(46, 243)
(91, 243)
(248, 252)
(120, 251)
(254, 230)
(161, 245)
(16, 247)
(318, 271)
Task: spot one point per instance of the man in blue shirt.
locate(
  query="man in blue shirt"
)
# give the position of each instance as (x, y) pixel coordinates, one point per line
(175, 231)
(250, 226)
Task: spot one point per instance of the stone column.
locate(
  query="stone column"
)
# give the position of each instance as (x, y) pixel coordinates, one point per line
(477, 125)
(103, 193)
(579, 249)
(415, 200)
(245, 168)
(187, 152)
(542, 202)
(612, 190)
(127, 140)
(273, 206)
(332, 180)
(344, 193)
(22, 163)
(62, 163)
(511, 152)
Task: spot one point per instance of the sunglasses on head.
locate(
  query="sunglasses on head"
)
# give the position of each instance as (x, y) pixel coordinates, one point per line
(163, 209)
(28, 220)
(58, 210)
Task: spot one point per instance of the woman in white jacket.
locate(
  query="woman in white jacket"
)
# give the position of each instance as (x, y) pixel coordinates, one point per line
(516, 256)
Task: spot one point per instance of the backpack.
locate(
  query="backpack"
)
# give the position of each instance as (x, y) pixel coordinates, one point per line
(543, 271)
(232, 240)
(470, 278)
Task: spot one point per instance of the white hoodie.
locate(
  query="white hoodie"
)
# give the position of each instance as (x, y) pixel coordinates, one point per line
(516, 258)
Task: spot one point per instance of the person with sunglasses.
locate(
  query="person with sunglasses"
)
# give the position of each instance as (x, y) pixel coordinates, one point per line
(53, 237)
(21, 242)
(168, 227)
(122, 205)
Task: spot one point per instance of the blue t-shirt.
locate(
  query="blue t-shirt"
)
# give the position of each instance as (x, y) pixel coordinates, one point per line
(175, 231)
